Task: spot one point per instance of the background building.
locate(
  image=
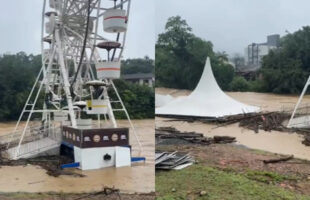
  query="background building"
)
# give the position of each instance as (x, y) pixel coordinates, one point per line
(256, 51)
(140, 78)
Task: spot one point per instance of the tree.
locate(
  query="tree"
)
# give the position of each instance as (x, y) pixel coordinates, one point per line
(286, 69)
(181, 56)
(138, 65)
(17, 75)
(239, 61)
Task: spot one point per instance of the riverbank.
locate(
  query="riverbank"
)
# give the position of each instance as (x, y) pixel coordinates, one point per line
(233, 172)
(225, 171)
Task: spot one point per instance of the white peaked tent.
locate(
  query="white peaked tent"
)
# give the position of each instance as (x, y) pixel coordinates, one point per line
(161, 100)
(207, 100)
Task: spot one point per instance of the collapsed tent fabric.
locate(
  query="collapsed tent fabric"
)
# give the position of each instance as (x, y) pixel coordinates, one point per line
(161, 100)
(207, 100)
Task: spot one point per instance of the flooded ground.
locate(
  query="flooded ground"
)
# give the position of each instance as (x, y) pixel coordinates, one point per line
(267, 102)
(139, 178)
(275, 142)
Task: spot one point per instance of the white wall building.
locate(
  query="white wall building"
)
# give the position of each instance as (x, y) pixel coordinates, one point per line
(256, 51)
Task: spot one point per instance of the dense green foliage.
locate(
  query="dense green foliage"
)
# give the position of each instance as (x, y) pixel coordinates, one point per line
(138, 65)
(239, 84)
(139, 100)
(286, 69)
(18, 73)
(181, 56)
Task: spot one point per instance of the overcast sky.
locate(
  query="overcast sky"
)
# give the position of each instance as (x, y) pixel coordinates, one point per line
(230, 24)
(233, 24)
(20, 27)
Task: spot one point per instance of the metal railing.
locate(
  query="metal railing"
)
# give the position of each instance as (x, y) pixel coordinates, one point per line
(36, 140)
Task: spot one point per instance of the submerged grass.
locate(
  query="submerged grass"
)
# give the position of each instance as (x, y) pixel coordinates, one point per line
(219, 185)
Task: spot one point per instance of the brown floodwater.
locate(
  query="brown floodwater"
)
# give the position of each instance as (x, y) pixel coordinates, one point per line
(274, 141)
(140, 178)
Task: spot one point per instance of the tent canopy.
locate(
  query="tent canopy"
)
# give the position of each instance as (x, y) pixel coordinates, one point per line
(161, 100)
(207, 100)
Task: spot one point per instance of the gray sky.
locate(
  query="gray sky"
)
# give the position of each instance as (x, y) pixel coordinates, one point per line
(233, 24)
(20, 27)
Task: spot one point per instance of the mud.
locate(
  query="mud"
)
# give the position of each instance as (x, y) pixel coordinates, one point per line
(91, 196)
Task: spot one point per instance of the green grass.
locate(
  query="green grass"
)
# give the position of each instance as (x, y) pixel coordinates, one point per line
(221, 185)
(269, 177)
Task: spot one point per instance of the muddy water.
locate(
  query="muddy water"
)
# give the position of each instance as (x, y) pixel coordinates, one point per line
(276, 142)
(139, 178)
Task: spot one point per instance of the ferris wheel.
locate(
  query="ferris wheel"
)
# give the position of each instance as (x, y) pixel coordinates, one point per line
(82, 46)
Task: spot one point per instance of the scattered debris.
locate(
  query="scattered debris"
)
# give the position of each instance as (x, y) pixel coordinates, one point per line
(49, 163)
(266, 121)
(254, 121)
(306, 140)
(169, 133)
(175, 160)
(278, 160)
(36, 182)
(203, 193)
(223, 139)
(269, 121)
(106, 192)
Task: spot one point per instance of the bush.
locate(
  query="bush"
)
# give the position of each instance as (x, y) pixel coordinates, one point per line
(239, 84)
(257, 86)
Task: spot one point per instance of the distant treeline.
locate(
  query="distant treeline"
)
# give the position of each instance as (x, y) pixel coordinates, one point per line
(138, 65)
(180, 58)
(18, 73)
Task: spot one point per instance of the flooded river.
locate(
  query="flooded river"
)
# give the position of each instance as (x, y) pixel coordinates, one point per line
(139, 178)
(275, 142)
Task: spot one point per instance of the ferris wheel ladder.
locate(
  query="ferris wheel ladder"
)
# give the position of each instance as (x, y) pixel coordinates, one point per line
(123, 109)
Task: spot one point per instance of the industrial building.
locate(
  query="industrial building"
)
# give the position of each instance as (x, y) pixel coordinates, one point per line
(256, 51)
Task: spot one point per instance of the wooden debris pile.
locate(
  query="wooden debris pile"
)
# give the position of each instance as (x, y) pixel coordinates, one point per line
(173, 161)
(267, 122)
(254, 121)
(164, 134)
(105, 192)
